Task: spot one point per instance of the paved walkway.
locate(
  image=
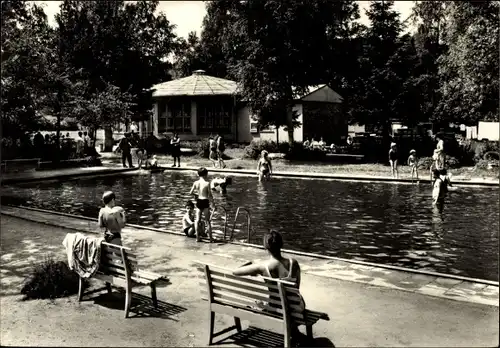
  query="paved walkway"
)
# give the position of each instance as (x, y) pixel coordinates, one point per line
(368, 307)
(68, 173)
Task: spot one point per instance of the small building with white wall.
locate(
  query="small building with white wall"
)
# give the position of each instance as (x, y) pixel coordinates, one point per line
(199, 105)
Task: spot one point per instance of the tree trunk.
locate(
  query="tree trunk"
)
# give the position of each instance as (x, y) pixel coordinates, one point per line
(277, 136)
(108, 139)
(289, 118)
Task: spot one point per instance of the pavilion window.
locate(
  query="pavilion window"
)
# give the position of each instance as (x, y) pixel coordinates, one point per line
(179, 117)
(214, 117)
(162, 117)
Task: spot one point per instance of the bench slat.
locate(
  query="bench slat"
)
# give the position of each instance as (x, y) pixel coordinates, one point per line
(244, 280)
(292, 293)
(245, 304)
(246, 295)
(257, 319)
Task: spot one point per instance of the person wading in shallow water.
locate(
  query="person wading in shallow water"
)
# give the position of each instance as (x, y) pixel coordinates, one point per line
(204, 197)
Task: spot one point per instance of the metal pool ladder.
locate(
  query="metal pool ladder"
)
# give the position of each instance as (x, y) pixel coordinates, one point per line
(240, 209)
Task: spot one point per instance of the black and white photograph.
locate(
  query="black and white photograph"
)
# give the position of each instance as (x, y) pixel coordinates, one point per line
(250, 173)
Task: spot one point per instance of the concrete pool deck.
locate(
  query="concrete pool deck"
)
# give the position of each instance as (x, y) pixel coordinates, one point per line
(60, 174)
(363, 312)
(423, 282)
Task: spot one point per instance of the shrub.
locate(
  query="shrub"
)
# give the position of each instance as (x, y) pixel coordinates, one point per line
(255, 148)
(50, 279)
(426, 162)
(487, 164)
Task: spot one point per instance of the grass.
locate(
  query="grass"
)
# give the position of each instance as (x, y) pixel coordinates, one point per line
(280, 165)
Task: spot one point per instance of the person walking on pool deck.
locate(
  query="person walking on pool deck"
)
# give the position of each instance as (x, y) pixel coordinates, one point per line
(276, 266)
(264, 167)
(393, 160)
(203, 200)
(176, 149)
(111, 219)
(213, 150)
(125, 148)
(220, 151)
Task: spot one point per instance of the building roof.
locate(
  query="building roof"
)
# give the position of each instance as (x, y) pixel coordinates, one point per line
(198, 84)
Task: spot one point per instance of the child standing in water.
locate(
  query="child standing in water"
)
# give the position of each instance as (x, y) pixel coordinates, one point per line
(111, 219)
(413, 163)
(264, 167)
(203, 200)
(438, 189)
(188, 221)
(393, 160)
(443, 174)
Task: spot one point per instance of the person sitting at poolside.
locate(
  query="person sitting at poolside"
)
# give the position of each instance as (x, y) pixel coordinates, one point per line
(111, 219)
(276, 266)
(221, 184)
(264, 167)
(188, 221)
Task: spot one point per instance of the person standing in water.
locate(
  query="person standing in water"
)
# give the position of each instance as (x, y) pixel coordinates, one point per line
(393, 160)
(264, 167)
(204, 199)
(112, 219)
(438, 189)
(413, 163)
(175, 143)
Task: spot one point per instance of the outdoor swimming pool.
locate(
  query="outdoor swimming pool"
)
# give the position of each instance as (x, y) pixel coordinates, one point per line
(376, 222)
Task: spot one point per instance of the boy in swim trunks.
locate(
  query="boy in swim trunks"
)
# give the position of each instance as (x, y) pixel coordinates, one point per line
(111, 219)
(188, 221)
(203, 200)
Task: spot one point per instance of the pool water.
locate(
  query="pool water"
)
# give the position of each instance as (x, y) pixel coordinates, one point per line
(377, 222)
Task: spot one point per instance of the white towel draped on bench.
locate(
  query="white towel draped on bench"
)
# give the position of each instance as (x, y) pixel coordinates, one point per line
(84, 253)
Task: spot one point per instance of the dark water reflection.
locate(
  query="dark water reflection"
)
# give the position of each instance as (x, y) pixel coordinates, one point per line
(384, 223)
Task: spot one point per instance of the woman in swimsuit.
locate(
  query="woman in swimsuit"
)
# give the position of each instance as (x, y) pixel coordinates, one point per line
(275, 267)
(264, 167)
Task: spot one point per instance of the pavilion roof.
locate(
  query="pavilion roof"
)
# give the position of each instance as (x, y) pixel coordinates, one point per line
(198, 84)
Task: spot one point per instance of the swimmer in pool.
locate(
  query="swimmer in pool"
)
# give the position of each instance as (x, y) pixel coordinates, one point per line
(264, 167)
(221, 184)
(203, 200)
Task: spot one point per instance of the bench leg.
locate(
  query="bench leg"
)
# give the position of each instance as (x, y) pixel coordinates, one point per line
(153, 295)
(211, 319)
(80, 289)
(237, 323)
(128, 300)
(108, 287)
(309, 330)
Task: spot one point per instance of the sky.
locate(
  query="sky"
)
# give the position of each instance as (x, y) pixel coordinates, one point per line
(188, 15)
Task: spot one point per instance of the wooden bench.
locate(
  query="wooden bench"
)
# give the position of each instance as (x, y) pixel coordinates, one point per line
(238, 296)
(18, 164)
(118, 267)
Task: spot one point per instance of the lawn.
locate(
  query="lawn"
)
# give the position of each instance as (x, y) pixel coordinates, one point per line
(237, 161)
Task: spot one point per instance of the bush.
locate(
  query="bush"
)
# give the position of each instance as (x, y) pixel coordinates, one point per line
(255, 148)
(487, 164)
(426, 162)
(50, 279)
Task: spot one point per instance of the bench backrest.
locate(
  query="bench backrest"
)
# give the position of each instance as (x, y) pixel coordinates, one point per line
(281, 298)
(116, 260)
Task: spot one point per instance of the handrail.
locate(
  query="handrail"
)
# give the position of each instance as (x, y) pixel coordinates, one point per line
(248, 222)
(225, 217)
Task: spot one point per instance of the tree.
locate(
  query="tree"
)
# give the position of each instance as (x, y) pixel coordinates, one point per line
(268, 46)
(119, 44)
(25, 57)
(386, 85)
(188, 56)
(469, 68)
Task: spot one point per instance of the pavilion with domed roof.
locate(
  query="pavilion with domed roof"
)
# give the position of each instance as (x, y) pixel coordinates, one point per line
(199, 105)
